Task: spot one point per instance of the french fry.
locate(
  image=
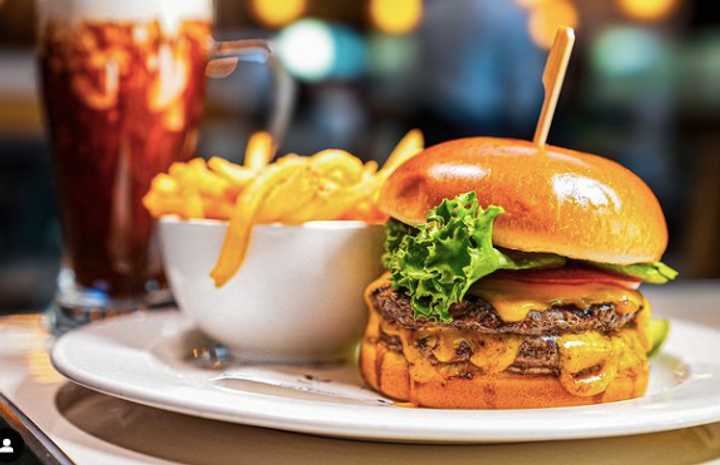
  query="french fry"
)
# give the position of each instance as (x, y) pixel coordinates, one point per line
(217, 209)
(186, 206)
(326, 191)
(197, 163)
(338, 165)
(236, 175)
(177, 170)
(306, 212)
(410, 145)
(185, 176)
(193, 206)
(286, 198)
(151, 201)
(207, 182)
(291, 158)
(164, 184)
(345, 199)
(259, 150)
(237, 237)
(331, 184)
(370, 168)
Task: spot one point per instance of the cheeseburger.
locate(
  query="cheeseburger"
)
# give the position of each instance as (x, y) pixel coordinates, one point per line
(512, 276)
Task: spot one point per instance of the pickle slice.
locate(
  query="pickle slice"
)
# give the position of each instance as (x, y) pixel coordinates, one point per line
(658, 331)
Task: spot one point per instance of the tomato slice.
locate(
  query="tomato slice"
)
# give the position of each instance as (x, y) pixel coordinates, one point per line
(570, 275)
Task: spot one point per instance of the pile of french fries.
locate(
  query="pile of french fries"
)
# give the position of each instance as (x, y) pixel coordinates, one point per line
(329, 185)
(206, 189)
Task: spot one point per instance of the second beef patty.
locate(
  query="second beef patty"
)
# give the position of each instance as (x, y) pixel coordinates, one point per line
(538, 353)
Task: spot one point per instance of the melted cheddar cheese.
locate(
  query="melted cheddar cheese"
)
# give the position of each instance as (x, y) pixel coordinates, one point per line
(513, 300)
(589, 361)
(490, 353)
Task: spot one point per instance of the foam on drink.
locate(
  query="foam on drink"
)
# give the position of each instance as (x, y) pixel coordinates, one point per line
(169, 13)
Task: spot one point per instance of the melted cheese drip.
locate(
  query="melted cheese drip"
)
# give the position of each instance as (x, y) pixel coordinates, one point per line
(491, 354)
(496, 353)
(589, 361)
(513, 300)
(579, 352)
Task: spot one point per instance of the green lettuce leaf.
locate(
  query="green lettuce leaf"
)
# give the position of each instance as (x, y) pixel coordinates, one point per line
(436, 263)
(654, 273)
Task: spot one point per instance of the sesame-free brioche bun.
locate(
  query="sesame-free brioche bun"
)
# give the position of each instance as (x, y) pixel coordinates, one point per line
(556, 200)
(388, 373)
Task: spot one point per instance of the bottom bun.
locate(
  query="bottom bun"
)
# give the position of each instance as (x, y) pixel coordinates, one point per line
(388, 372)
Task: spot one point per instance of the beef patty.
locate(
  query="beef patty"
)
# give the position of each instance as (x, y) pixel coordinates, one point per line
(474, 314)
(538, 353)
(536, 356)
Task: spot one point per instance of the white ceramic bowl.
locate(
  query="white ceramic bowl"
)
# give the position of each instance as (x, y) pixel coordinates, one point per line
(296, 298)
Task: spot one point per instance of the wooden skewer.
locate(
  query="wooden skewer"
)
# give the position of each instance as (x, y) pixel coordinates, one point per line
(553, 77)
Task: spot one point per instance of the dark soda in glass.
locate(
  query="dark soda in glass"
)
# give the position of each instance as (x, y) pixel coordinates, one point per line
(123, 99)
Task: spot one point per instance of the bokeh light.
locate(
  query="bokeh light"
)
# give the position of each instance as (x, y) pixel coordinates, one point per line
(307, 49)
(648, 10)
(699, 83)
(547, 16)
(350, 52)
(313, 50)
(396, 16)
(391, 54)
(626, 51)
(529, 3)
(276, 13)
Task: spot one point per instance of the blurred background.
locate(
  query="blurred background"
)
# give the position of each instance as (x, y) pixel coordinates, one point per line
(643, 88)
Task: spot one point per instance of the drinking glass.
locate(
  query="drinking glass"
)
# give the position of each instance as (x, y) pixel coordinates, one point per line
(123, 84)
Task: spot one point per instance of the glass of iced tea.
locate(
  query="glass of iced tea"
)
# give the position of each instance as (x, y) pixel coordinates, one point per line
(123, 85)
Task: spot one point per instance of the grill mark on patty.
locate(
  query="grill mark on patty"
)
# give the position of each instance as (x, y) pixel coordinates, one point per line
(475, 314)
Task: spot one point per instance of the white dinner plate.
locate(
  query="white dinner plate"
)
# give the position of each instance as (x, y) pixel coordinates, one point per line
(147, 358)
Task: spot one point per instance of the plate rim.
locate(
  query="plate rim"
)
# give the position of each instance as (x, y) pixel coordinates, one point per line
(294, 414)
